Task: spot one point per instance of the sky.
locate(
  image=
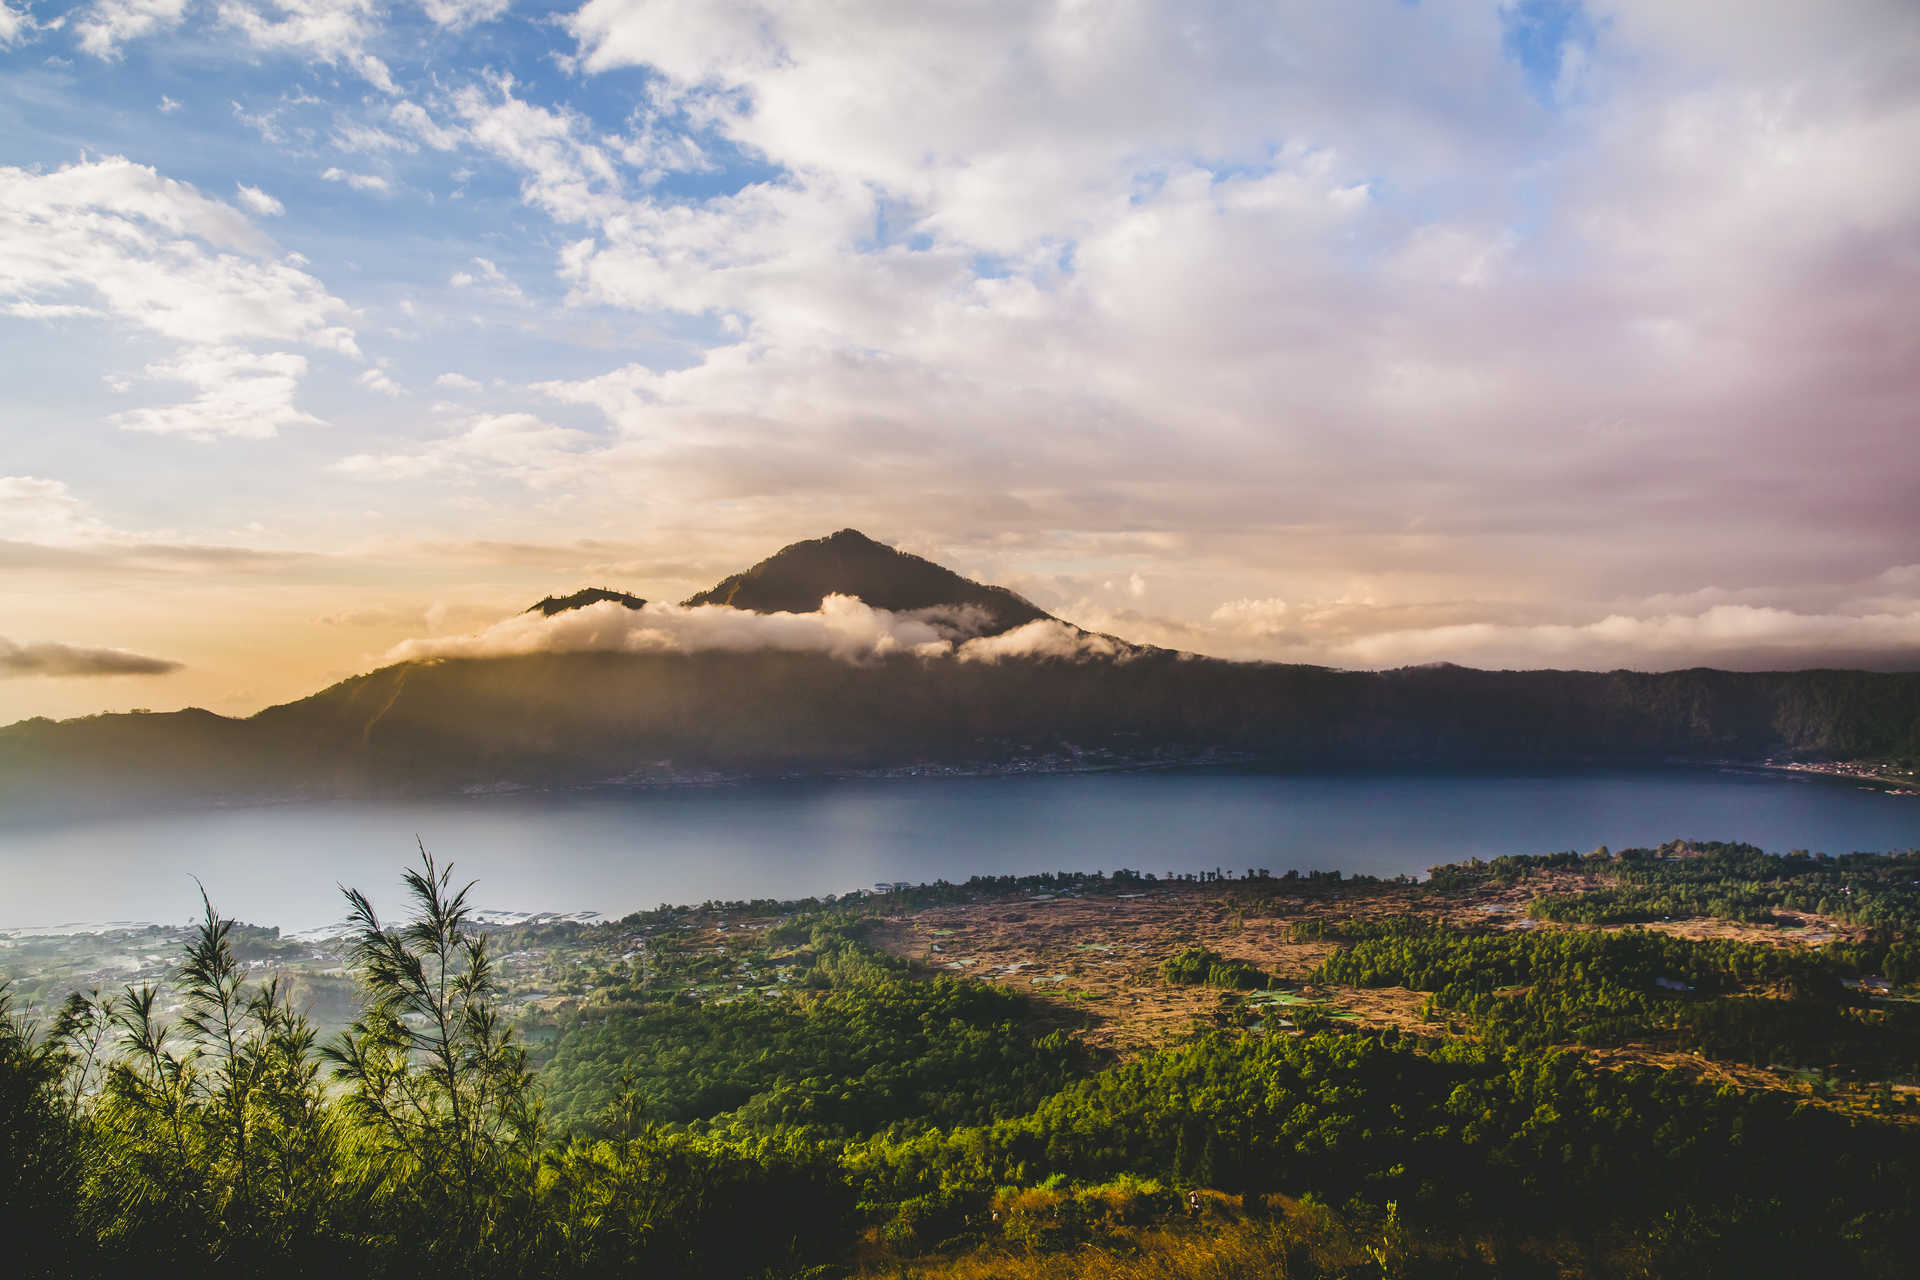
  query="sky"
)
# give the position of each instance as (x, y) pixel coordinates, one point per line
(1541, 334)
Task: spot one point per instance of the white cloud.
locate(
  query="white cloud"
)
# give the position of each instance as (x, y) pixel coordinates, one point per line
(333, 31)
(488, 277)
(377, 380)
(517, 446)
(349, 135)
(370, 182)
(456, 382)
(241, 394)
(259, 201)
(1043, 638)
(412, 117)
(567, 174)
(36, 509)
(156, 254)
(843, 627)
(15, 25)
(459, 14)
(1253, 617)
(1735, 635)
(105, 25)
(50, 311)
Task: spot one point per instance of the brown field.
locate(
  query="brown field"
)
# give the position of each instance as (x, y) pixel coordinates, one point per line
(1093, 962)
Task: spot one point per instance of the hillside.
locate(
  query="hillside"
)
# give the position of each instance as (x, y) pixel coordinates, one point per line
(574, 718)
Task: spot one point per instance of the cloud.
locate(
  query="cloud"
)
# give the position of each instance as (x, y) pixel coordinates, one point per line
(51, 311)
(460, 14)
(490, 278)
(241, 393)
(15, 25)
(1742, 636)
(843, 627)
(353, 136)
(333, 31)
(37, 509)
(377, 380)
(370, 182)
(413, 117)
(70, 660)
(517, 446)
(168, 105)
(105, 25)
(259, 201)
(1286, 267)
(1254, 617)
(456, 382)
(567, 174)
(1042, 638)
(156, 254)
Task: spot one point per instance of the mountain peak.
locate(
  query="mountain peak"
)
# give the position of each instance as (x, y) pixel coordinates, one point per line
(798, 577)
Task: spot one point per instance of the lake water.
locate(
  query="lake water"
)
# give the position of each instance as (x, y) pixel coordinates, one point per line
(616, 852)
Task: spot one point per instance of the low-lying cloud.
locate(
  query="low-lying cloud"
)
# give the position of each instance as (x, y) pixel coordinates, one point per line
(843, 627)
(1739, 636)
(73, 660)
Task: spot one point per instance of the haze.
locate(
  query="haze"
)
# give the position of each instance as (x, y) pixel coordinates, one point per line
(1540, 334)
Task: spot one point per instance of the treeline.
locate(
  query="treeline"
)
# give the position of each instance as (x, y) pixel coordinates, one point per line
(1745, 1002)
(1721, 880)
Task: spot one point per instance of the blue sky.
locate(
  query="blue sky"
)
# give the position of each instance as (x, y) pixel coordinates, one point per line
(1536, 334)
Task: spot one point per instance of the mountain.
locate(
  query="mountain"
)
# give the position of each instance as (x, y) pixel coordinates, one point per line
(584, 597)
(797, 578)
(574, 718)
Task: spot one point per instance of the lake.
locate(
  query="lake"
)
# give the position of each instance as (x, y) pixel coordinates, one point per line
(615, 852)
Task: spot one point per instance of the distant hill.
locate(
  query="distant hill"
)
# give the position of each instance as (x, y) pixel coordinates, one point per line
(563, 719)
(584, 597)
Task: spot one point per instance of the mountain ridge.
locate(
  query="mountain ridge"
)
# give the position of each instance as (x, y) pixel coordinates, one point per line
(581, 718)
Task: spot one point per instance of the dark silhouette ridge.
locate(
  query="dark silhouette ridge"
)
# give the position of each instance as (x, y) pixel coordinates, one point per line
(567, 719)
(584, 597)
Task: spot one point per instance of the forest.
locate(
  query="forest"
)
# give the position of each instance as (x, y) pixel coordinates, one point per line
(797, 1101)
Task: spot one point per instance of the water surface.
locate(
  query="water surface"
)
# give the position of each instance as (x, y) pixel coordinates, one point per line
(615, 852)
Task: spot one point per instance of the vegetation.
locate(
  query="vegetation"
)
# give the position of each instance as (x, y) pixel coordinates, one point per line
(831, 1038)
(793, 1102)
(1743, 1002)
(1203, 965)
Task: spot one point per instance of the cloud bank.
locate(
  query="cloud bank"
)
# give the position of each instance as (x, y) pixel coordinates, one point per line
(844, 627)
(18, 660)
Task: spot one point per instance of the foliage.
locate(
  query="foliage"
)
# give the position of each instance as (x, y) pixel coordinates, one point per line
(826, 1126)
(844, 1042)
(1199, 965)
(1743, 1001)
